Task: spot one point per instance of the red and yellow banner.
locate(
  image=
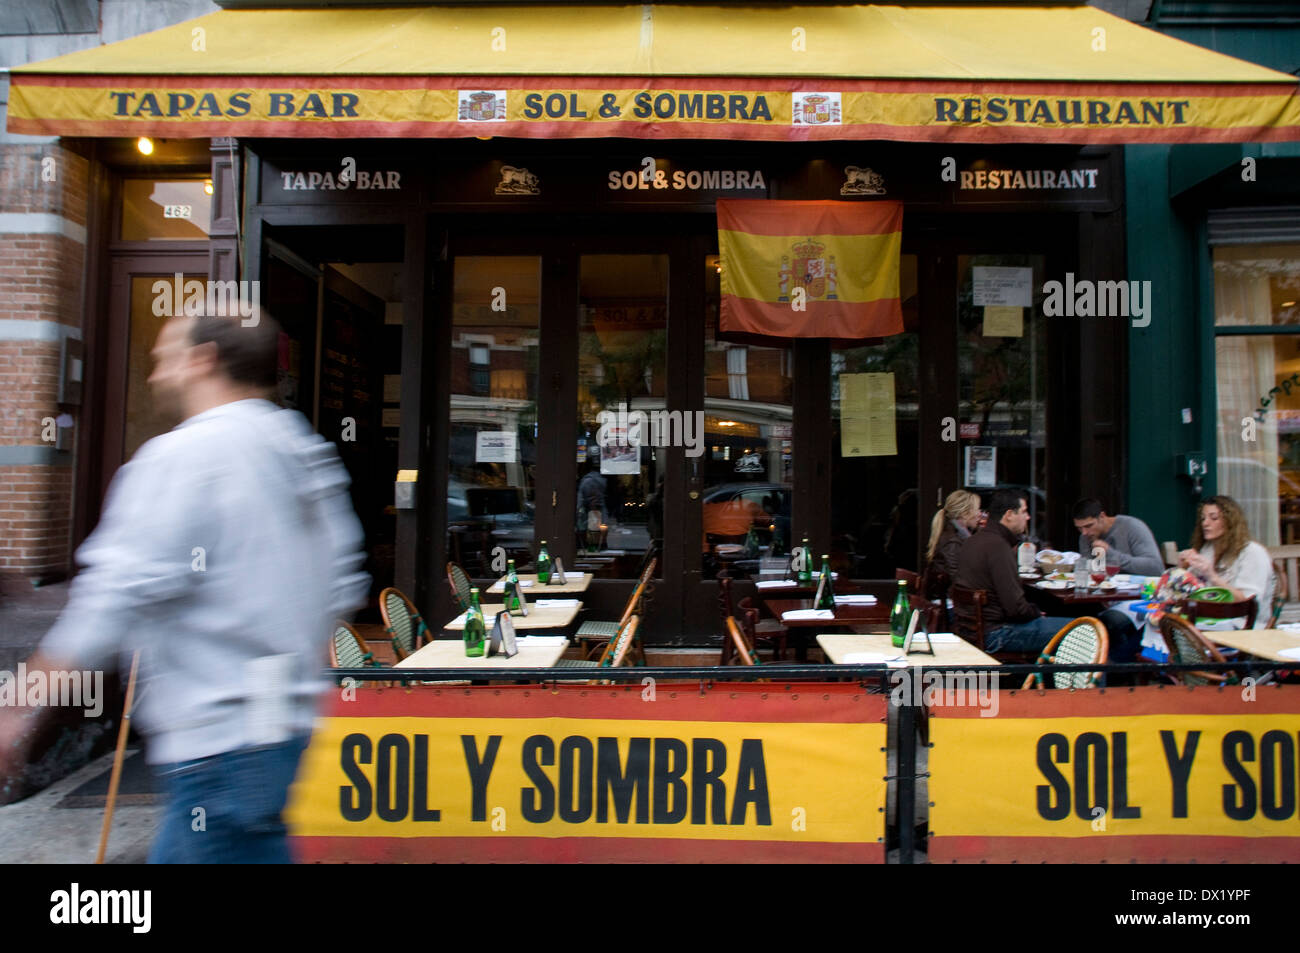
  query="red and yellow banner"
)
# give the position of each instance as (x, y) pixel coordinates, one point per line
(647, 108)
(810, 269)
(575, 773)
(1152, 775)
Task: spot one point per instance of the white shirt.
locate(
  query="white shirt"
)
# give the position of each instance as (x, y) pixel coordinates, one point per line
(1252, 574)
(228, 541)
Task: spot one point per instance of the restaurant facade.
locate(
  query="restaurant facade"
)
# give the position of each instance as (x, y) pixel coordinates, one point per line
(486, 264)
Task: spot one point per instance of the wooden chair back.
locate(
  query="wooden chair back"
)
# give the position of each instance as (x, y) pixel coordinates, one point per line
(1286, 572)
(402, 622)
(726, 606)
(1281, 592)
(1083, 641)
(970, 623)
(634, 603)
(931, 614)
(460, 585)
(741, 646)
(1187, 647)
(913, 580)
(1246, 609)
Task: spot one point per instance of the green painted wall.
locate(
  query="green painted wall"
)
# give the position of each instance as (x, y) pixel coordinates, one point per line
(1171, 362)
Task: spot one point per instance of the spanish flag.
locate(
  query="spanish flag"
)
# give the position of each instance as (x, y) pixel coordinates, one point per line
(810, 269)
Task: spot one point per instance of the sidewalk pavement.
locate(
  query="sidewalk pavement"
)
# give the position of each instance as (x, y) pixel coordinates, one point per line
(35, 831)
(26, 614)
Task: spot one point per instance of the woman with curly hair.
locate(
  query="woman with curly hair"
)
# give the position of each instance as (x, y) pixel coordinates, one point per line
(1223, 554)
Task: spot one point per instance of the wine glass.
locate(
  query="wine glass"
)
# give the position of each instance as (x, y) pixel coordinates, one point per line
(1112, 564)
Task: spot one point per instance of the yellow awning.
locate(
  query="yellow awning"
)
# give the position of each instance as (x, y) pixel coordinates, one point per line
(1014, 74)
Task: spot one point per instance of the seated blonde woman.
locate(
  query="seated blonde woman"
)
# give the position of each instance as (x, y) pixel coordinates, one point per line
(951, 527)
(1223, 554)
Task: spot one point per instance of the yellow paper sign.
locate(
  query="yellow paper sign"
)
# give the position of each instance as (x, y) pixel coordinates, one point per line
(1002, 321)
(867, 426)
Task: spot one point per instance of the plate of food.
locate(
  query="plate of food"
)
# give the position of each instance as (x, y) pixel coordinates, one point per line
(1053, 584)
(1052, 559)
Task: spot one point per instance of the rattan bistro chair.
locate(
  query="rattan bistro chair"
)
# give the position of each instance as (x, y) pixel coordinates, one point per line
(598, 630)
(1083, 641)
(458, 581)
(614, 653)
(402, 623)
(1187, 646)
(348, 649)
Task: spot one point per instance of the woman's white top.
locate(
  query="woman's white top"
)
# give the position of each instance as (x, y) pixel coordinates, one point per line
(1251, 573)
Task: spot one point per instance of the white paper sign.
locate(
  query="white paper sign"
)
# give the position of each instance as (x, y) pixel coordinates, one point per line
(497, 446)
(1002, 287)
(981, 466)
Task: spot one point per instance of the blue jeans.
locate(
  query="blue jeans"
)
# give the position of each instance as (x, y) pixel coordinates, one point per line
(241, 794)
(1028, 636)
(1125, 638)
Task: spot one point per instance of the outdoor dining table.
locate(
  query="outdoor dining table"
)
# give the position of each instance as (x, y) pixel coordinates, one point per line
(573, 582)
(450, 653)
(843, 617)
(1071, 596)
(539, 616)
(1262, 643)
(947, 652)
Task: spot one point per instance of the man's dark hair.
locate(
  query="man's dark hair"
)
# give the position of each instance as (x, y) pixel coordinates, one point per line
(1003, 500)
(247, 355)
(1088, 508)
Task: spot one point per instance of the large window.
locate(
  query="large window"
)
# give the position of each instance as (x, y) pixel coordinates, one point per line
(494, 425)
(622, 365)
(748, 458)
(1257, 367)
(1002, 379)
(874, 412)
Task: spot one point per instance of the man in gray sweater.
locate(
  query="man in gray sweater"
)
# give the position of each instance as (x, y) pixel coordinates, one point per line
(1127, 537)
(226, 549)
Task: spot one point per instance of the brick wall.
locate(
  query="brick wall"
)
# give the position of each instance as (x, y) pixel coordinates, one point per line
(42, 251)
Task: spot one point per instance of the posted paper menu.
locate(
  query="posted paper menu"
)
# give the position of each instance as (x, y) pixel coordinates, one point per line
(867, 424)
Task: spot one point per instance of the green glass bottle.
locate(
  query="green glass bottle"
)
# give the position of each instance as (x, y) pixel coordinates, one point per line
(512, 589)
(805, 572)
(475, 628)
(826, 585)
(899, 616)
(543, 566)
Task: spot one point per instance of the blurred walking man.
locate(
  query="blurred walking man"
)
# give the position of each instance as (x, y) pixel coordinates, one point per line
(226, 549)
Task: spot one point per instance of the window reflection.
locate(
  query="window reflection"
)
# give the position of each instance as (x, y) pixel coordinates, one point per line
(1258, 380)
(494, 426)
(874, 413)
(748, 450)
(1002, 389)
(623, 326)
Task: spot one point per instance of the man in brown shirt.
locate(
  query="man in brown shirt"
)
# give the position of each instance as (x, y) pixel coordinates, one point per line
(988, 562)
